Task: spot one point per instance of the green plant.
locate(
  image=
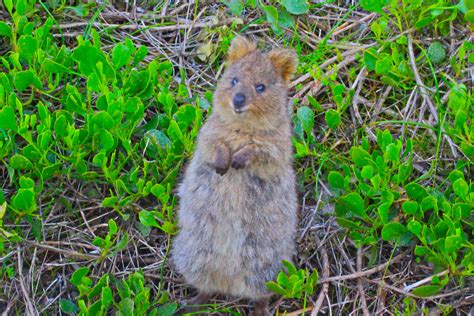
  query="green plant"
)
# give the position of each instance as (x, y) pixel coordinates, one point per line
(109, 93)
(294, 283)
(110, 244)
(377, 199)
(278, 15)
(128, 297)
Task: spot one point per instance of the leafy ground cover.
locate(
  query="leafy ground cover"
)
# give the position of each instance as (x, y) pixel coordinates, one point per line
(100, 105)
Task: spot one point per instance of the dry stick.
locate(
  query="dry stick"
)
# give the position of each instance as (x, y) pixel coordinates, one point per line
(401, 291)
(360, 287)
(359, 82)
(350, 26)
(419, 82)
(174, 27)
(315, 86)
(424, 281)
(70, 253)
(366, 272)
(327, 63)
(29, 306)
(324, 291)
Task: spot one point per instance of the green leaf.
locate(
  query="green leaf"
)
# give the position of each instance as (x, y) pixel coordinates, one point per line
(461, 188)
(285, 19)
(140, 54)
(336, 180)
(93, 82)
(455, 174)
(5, 29)
(24, 200)
(148, 219)
(469, 16)
(421, 251)
(296, 6)
(103, 119)
(23, 79)
(306, 116)
(416, 192)
(76, 278)
(427, 290)
(367, 172)
(383, 212)
(272, 15)
(113, 229)
(121, 55)
(414, 227)
(422, 22)
(350, 205)
(19, 162)
(383, 65)
(469, 4)
(333, 118)
(159, 138)
(9, 5)
(370, 59)
(168, 227)
(157, 190)
(127, 306)
(275, 288)
(410, 207)
(110, 201)
(106, 140)
(360, 157)
(68, 307)
(167, 310)
(60, 125)
(87, 57)
(373, 5)
(53, 67)
(3, 209)
(235, 6)
(107, 297)
(7, 118)
(452, 244)
(392, 231)
(27, 183)
(393, 151)
(27, 46)
(429, 203)
(175, 132)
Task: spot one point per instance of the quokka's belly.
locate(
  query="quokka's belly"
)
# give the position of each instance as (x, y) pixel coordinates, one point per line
(234, 230)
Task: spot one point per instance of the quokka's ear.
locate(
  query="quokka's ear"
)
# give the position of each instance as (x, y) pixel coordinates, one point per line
(240, 47)
(285, 61)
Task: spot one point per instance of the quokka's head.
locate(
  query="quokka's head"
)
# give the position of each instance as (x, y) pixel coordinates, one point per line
(255, 84)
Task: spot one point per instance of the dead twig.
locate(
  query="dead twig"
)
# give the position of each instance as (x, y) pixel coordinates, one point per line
(70, 253)
(29, 305)
(360, 286)
(325, 289)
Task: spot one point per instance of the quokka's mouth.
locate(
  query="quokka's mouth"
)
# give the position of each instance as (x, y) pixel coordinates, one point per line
(239, 111)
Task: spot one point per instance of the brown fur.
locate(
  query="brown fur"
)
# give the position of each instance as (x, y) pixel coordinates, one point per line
(238, 204)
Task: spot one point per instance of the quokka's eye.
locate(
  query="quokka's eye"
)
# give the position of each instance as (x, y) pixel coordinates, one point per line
(260, 88)
(234, 81)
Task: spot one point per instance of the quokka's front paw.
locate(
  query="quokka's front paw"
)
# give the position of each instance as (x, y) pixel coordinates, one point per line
(221, 159)
(221, 169)
(239, 161)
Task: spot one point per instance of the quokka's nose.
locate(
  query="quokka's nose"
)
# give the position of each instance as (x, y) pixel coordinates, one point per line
(239, 100)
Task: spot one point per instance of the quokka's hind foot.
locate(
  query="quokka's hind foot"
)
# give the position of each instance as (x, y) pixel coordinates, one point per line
(260, 308)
